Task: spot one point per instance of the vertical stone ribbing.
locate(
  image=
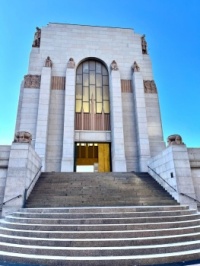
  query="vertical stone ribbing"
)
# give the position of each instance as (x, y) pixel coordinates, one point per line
(141, 121)
(43, 115)
(67, 164)
(117, 131)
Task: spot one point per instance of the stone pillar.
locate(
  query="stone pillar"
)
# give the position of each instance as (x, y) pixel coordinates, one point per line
(23, 166)
(141, 121)
(117, 132)
(67, 164)
(43, 115)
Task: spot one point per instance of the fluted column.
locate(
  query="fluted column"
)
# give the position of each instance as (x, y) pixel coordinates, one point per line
(67, 164)
(141, 121)
(117, 132)
(43, 115)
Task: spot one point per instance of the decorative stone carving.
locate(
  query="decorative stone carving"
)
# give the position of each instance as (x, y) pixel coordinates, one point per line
(37, 36)
(135, 67)
(71, 63)
(174, 140)
(114, 66)
(48, 62)
(32, 81)
(150, 86)
(144, 45)
(23, 137)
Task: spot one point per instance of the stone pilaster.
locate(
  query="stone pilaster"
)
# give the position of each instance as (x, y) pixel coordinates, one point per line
(67, 164)
(43, 115)
(117, 132)
(141, 121)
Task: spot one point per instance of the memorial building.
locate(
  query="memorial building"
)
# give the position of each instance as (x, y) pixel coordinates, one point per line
(89, 99)
(89, 103)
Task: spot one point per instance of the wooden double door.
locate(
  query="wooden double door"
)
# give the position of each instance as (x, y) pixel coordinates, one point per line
(94, 156)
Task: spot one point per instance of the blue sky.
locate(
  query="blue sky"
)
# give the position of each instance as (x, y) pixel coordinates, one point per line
(172, 29)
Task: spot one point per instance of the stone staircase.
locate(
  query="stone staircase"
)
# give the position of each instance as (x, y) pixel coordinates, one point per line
(100, 220)
(100, 236)
(97, 189)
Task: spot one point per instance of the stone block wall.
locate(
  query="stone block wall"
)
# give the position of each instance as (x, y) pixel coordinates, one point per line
(173, 166)
(4, 158)
(23, 165)
(194, 158)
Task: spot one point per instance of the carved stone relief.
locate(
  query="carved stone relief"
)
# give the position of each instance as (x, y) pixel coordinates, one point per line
(135, 67)
(71, 63)
(23, 137)
(114, 66)
(37, 36)
(150, 86)
(144, 45)
(48, 62)
(32, 81)
(174, 140)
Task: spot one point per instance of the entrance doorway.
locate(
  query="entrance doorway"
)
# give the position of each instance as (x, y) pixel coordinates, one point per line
(92, 157)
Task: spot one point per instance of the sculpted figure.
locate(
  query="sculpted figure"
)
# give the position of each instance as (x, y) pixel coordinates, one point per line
(135, 67)
(174, 140)
(144, 45)
(23, 137)
(32, 81)
(48, 62)
(71, 63)
(37, 36)
(113, 65)
(150, 86)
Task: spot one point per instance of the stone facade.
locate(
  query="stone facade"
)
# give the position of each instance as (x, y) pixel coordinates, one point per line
(46, 136)
(135, 134)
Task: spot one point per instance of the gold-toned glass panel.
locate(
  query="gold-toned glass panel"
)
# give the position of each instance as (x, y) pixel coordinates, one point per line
(99, 107)
(79, 92)
(86, 107)
(99, 94)
(85, 94)
(78, 106)
(92, 92)
(98, 80)
(105, 93)
(85, 80)
(106, 107)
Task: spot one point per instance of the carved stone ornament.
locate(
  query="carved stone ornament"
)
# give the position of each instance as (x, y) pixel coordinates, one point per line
(37, 36)
(175, 140)
(144, 45)
(150, 86)
(32, 81)
(114, 66)
(71, 63)
(135, 67)
(23, 137)
(48, 62)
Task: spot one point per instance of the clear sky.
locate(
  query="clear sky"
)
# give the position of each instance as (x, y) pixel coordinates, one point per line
(172, 29)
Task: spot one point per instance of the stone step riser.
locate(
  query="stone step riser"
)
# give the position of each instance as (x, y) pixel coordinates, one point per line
(106, 209)
(101, 234)
(100, 227)
(117, 220)
(50, 251)
(100, 242)
(84, 261)
(103, 215)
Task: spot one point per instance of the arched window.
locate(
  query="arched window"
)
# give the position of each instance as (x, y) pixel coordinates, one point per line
(92, 96)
